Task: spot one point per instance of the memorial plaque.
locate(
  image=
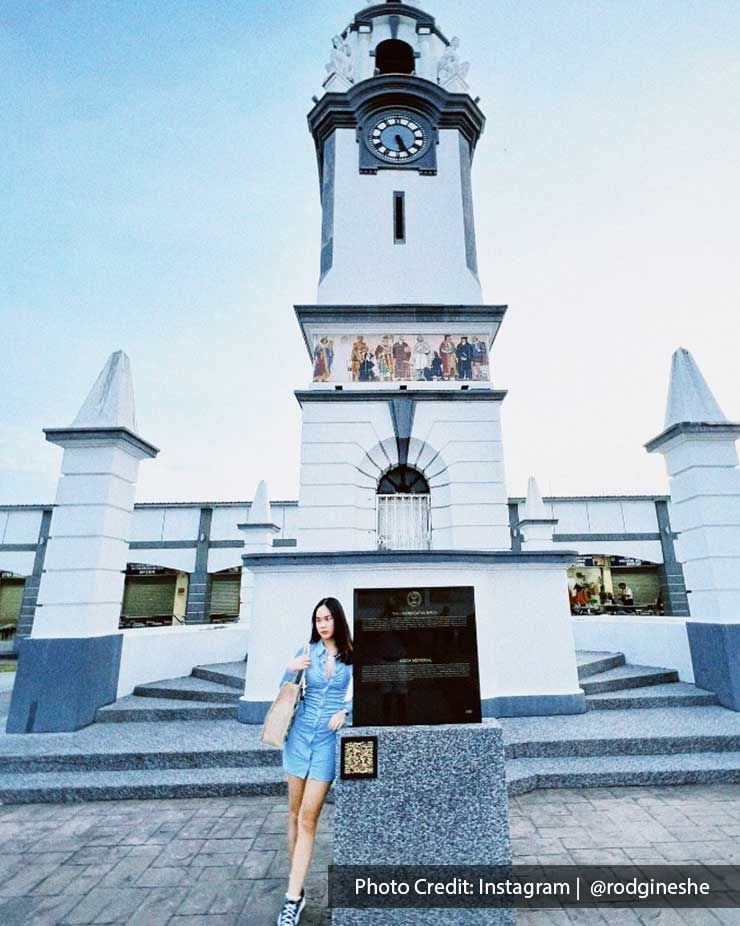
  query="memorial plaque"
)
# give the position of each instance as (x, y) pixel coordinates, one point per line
(416, 657)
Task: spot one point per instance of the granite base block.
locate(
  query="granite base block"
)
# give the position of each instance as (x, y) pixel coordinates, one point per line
(715, 657)
(423, 918)
(62, 681)
(439, 799)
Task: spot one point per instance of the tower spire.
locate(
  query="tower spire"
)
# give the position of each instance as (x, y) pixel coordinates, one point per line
(689, 397)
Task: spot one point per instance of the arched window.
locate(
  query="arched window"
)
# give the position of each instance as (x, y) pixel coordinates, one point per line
(404, 510)
(403, 480)
(394, 57)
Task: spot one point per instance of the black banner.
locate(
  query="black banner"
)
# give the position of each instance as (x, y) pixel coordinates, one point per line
(534, 886)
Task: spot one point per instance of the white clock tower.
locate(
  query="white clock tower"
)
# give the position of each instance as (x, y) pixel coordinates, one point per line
(402, 440)
(402, 467)
(395, 135)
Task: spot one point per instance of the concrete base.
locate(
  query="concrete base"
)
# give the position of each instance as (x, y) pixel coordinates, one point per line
(521, 609)
(439, 799)
(715, 654)
(252, 711)
(516, 706)
(61, 682)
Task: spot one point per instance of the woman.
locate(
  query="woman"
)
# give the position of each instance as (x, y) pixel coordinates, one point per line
(308, 756)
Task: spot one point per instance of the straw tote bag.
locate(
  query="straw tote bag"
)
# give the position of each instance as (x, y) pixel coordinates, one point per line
(282, 711)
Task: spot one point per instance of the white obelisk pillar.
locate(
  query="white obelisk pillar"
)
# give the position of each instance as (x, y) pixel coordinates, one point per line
(698, 443)
(69, 666)
(535, 527)
(258, 535)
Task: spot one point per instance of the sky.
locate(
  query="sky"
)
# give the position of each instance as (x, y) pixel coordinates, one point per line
(159, 195)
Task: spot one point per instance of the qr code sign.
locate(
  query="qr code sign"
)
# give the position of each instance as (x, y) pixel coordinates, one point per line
(360, 757)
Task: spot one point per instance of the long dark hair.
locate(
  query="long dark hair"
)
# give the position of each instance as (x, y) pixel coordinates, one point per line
(342, 636)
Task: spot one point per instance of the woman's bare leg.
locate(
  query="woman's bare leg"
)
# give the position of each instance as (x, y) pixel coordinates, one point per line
(314, 796)
(296, 787)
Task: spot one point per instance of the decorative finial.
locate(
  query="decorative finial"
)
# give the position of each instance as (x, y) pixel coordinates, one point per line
(110, 402)
(689, 396)
(534, 508)
(261, 511)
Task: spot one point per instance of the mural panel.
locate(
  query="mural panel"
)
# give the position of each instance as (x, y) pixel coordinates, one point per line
(346, 358)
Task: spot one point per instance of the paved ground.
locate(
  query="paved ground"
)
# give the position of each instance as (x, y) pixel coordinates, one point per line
(221, 861)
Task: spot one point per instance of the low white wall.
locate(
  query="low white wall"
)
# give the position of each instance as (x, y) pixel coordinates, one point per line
(651, 641)
(150, 655)
(525, 638)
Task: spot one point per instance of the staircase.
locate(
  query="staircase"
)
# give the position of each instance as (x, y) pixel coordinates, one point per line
(659, 731)
(179, 738)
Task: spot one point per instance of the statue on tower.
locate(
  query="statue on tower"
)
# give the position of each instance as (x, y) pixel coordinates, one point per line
(450, 69)
(341, 66)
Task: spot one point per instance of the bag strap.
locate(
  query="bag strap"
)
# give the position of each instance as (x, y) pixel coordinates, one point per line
(300, 677)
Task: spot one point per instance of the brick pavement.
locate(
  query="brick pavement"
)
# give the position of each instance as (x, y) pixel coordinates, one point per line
(221, 861)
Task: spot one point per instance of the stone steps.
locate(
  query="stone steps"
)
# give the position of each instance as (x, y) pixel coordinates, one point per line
(591, 663)
(64, 787)
(671, 694)
(189, 688)
(231, 674)
(525, 775)
(628, 676)
(133, 709)
(179, 738)
(647, 732)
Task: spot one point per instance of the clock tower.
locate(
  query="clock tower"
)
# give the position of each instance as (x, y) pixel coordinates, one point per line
(395, 134)
(401, 438)
(402, 482)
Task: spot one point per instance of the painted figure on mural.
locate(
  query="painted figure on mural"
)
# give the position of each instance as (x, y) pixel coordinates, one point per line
(448, 355)
(359, 350)
(401, 359)
(367, 368)
(435, 370)
(464, 352)
(422, 353)
(480, 359)
(323, 357)
(384, 360)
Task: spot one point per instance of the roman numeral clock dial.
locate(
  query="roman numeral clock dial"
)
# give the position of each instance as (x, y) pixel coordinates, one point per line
(397, 138)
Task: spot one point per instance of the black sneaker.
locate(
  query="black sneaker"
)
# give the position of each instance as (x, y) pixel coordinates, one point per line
(290, 915)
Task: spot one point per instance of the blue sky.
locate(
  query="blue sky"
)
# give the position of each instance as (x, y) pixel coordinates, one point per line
(158, 194)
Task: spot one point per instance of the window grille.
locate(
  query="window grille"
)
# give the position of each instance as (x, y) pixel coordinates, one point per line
(404, 522)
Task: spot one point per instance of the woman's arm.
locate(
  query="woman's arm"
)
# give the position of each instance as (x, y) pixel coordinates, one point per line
(302, 660)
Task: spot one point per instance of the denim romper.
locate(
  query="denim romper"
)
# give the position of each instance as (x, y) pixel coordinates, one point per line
(309, 749)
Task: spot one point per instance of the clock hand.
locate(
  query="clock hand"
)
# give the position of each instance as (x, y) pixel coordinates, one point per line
(401, 143)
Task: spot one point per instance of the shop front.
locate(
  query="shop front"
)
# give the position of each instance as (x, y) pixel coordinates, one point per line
(225, 592)
(615, 585)
(11, 596)
(153, 596)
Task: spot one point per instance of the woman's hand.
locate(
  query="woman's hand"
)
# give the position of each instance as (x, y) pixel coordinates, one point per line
(299, 663)
(337, 720)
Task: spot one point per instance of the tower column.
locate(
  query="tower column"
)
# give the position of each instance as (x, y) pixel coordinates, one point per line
(69, 666)
(698, 444)
(258, 533)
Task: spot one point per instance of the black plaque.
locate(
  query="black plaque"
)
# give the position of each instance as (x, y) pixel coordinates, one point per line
(416, 657)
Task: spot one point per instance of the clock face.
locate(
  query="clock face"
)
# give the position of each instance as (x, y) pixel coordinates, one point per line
(397, 138)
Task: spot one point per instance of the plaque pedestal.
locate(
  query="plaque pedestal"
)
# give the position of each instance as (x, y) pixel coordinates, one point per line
(439, 799)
